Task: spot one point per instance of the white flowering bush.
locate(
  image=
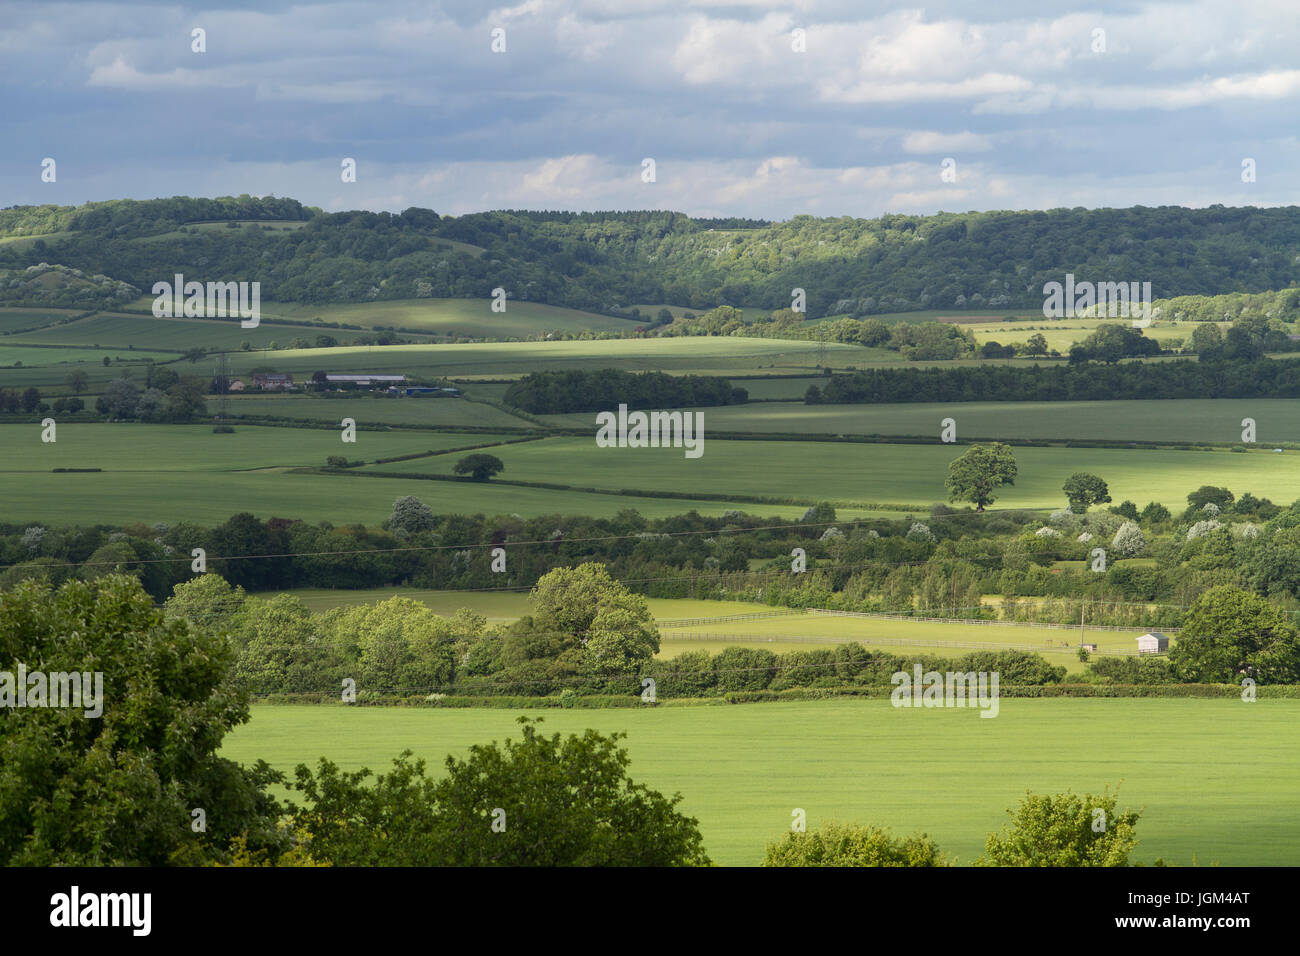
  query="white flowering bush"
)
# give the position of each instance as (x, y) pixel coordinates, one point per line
(1084, 538)
(1046, 532)
(1246, 529)
(1202, 528)
(1211, 509)
(920, 532)
(1129, 541)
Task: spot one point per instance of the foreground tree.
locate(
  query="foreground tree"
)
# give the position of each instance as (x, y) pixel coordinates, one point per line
(979, 472)
(1064, 829)
(838, 844)
(119, 788)
(538, 801)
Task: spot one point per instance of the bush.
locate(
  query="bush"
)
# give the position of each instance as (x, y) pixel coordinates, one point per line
(838, 844)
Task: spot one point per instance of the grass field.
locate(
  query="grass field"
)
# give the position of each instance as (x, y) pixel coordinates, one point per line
(1062, 333)
(418, 410)
(882, 473)
(721, 356)
(1180, 420)
(462, 317)
(35, 355)
(117, 330)
(742, 769)
(124, 447)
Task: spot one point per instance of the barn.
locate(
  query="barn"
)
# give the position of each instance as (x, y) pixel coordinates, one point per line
(1153, 642)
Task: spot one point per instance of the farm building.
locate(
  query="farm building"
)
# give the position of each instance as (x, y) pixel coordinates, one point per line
(272, 381)
(1153, 643)
(235, 386)
(1091, 648)
(362, 380)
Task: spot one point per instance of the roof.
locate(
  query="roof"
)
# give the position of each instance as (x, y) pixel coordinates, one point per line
(1152, 634)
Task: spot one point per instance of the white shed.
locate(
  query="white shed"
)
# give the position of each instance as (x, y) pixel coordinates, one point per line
(1153, 642)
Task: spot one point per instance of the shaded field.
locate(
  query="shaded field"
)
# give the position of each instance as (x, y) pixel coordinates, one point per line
(19, 318)
(210, 497)
(126, 447)
(722, 356)
(431, 412)
(741, 769)
(1178, 420)
(1062, 333)
(66, 358)
(884, 473)
(117, 330)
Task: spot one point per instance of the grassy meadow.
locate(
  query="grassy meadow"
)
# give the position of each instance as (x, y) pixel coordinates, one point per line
(867, 474)
(742, 769)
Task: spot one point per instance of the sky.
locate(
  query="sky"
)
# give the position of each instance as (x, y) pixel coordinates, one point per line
(756, 109)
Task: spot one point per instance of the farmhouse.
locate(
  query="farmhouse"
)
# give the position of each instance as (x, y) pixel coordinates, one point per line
(1153, 643)
(272, 381)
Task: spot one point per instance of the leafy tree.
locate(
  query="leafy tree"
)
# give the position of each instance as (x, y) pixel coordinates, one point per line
(479, 467)
(1064, 830)
(117, 789)
(1154, 513)
(1221, 498)
(979, 472)
(1083, 490)
(119, 399)
(837, 844)
(585, 604)
(31, 398)
(1229, 634)
(555, 802)
(77, 381)
(409, 516)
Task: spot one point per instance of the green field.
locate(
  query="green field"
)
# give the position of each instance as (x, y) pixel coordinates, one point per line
(720, 356)
(461, 317)
(1179, 420)
(162, 449)
(868, 474)
(65, 358)
(411, 410)
(1062, 333)
(11, 318)
(117, 330)
(742, 769)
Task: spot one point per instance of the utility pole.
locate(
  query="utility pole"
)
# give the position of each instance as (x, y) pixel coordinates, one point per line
(1083, 604)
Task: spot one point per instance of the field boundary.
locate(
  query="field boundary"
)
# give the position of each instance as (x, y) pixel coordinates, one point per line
(962, 620)
(904, 642)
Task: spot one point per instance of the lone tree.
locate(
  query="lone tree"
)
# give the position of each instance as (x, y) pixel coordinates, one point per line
(1083, 491)
(979, 472)
(479, 467)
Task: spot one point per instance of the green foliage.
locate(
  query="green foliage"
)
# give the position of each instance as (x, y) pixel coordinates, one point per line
(1230, 634)
(1083, 490)
(979, 472)
(837, 844)
(117, 789)
(1064, 830)
(479, 466)
(577, 390)
(538, 801)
